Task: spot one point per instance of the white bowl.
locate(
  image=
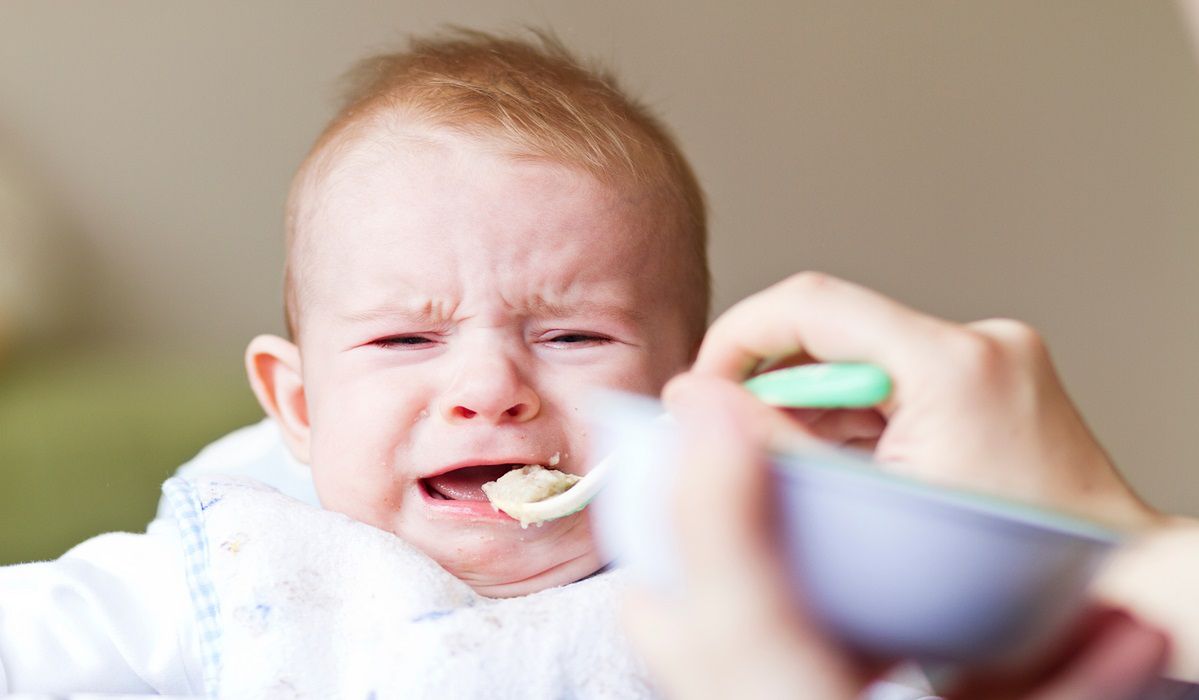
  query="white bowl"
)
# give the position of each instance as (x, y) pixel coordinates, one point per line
(900, 568)
(893, 567)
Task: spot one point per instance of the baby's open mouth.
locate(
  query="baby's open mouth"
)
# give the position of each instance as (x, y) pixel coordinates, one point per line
(466, 483)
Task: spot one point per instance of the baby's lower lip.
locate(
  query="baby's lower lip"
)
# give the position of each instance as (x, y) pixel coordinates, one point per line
(461, 509)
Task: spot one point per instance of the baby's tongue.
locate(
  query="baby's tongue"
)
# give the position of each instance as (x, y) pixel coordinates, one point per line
(466, 484)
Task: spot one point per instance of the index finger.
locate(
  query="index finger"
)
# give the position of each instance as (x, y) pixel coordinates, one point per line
(823, 316)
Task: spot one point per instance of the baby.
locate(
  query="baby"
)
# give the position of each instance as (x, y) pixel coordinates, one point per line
(484, 234)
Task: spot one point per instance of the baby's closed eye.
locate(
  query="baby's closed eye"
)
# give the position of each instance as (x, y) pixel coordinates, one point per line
(403, 341)
(573, 338)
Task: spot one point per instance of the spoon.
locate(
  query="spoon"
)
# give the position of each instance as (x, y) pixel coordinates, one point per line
(830, 385)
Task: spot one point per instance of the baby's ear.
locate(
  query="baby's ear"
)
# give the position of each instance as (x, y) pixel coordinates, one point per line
(273, 365)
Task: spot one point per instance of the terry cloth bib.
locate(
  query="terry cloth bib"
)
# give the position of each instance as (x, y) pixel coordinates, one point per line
(293, 601)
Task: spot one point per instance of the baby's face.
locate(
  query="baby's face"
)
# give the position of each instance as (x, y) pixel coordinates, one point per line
(460, 307)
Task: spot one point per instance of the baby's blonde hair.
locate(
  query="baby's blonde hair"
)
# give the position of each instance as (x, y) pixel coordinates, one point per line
(538, 100)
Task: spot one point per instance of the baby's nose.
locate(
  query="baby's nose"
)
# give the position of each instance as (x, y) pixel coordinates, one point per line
(517, 412)
(494, 392)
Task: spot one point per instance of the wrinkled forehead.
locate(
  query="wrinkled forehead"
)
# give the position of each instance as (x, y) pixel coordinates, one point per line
(390, 194)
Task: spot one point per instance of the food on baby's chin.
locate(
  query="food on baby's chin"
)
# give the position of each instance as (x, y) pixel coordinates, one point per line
(528, 484)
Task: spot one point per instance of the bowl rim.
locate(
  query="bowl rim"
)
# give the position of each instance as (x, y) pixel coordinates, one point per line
(849, 464)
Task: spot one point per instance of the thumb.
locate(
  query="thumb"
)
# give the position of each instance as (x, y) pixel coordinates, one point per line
(764, 425)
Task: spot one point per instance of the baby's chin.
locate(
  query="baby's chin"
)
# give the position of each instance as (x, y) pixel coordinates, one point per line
(516, 562)
(506, 584)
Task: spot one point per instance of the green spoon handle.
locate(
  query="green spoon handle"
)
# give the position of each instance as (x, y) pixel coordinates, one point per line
(830, 385)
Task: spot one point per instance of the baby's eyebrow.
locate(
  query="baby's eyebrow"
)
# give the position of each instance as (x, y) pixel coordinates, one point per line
(545, 308)
(435, 312)
(428, 312)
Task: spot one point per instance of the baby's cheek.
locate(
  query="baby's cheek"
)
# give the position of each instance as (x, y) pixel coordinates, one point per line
(369, 494)
(643, 378)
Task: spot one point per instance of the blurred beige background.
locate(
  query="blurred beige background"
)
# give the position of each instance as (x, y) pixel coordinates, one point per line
(1030, 159)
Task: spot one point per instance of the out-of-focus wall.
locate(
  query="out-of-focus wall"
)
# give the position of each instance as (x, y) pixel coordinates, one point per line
(1026, 159)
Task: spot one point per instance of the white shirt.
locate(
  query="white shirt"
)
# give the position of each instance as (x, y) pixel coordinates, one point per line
(111, 615)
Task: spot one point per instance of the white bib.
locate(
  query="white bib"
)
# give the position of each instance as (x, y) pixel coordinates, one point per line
(297, 602)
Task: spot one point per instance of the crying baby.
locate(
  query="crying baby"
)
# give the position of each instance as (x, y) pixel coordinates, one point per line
(484, 234)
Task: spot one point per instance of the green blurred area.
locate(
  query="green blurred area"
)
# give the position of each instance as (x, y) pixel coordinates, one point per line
(87, 439)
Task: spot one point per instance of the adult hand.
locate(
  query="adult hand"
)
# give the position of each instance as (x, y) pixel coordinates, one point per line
(1157, 576)
(976, 406)
(734, 630)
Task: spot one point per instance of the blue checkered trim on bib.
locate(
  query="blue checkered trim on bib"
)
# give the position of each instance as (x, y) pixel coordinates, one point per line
(187, 507)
